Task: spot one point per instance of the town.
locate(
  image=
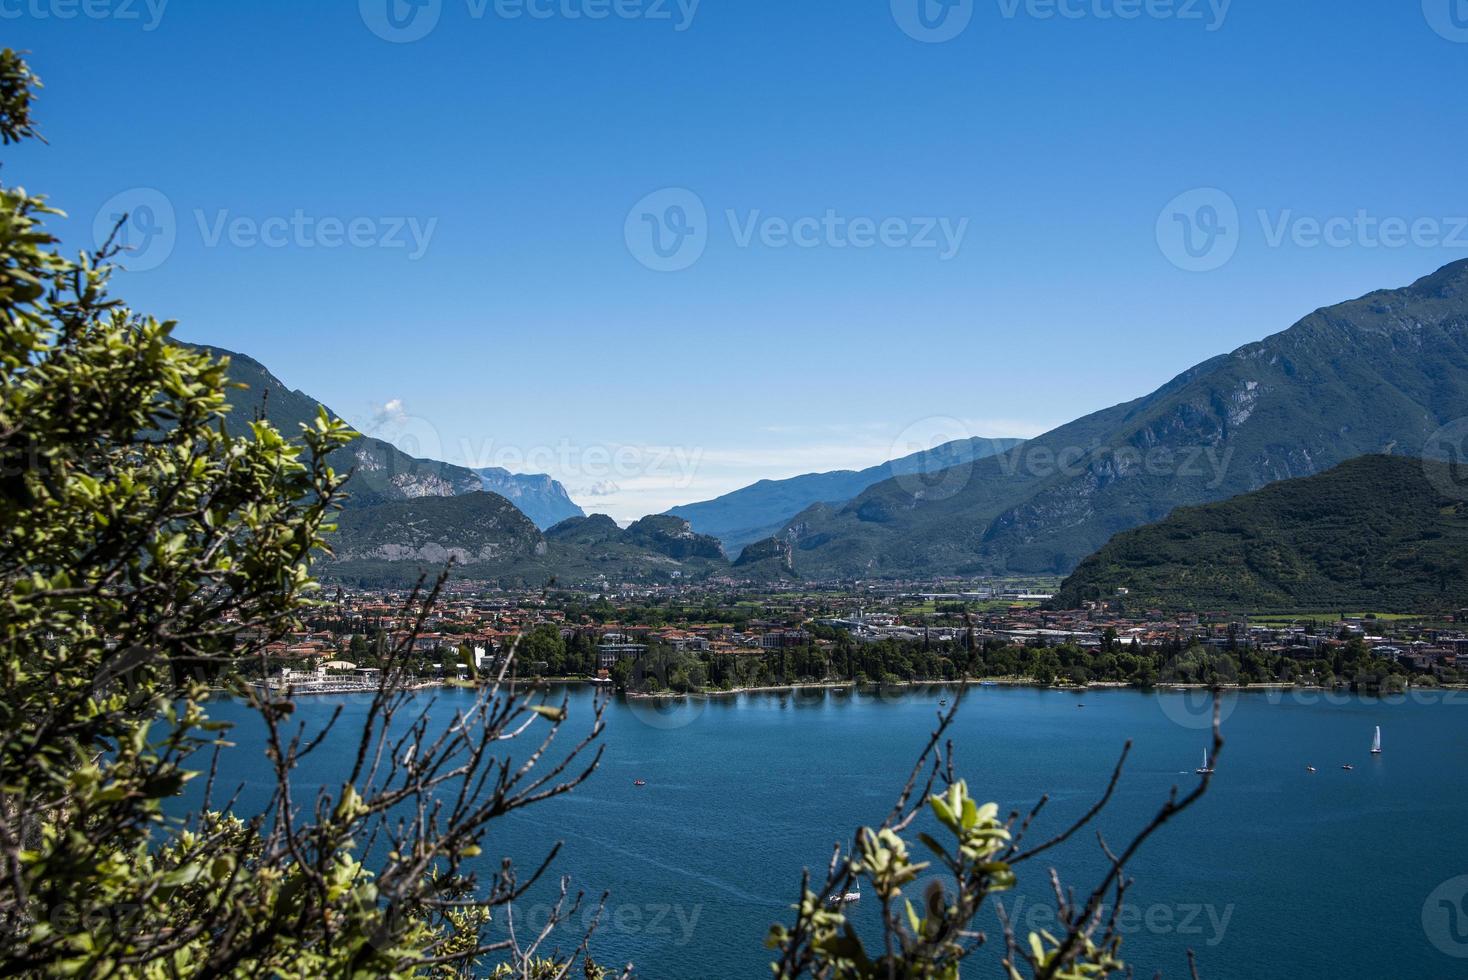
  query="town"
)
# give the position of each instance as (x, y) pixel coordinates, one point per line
(726, 637)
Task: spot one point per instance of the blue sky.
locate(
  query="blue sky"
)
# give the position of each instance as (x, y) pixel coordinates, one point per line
(877, 229)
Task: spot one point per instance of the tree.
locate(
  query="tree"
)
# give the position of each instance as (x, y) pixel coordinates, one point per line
(144, 553)
(930, 936)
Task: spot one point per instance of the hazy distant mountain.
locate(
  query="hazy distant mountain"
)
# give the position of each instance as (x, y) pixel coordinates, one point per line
(1380, 373)
(539, 498)
(759, 510)
(381, 471)
(1379, 533)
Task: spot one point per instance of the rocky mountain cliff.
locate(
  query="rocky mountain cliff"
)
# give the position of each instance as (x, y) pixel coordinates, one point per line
(539, 497)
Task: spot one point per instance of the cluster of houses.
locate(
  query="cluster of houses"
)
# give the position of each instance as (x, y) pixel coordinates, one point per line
(488, 625)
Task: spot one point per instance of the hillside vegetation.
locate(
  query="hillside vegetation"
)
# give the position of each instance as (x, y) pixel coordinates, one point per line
(1388, 533)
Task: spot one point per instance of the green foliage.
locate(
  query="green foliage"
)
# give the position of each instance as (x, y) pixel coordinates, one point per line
(145, 547)
(928, 937)
(1375, 532)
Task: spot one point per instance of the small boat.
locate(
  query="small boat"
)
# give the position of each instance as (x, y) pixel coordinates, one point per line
(1207, 769)
(639, 782)
(841, 898)
(1309, 768)
(942, 702)
(1376, 742)
(1348, 767)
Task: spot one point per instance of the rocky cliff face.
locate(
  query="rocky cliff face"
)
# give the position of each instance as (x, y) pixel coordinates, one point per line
(539, 497)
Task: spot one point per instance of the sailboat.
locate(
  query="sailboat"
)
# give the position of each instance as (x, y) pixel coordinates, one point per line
(1376, 742)
(1207, 769)
(840, 898)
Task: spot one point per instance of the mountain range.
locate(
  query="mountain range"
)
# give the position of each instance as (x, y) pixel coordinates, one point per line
(760, 510)
(405, 517)
(1381, 533)
(1382, 373)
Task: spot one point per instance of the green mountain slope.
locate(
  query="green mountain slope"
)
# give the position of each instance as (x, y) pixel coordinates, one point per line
(759, 510)
(381, 472)
(1381, 373)
(1388, 533)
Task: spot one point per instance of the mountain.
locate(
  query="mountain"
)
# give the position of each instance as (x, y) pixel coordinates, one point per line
(490, 540)
(759, 510)
(767, 560)
(1384, 533)
(381, 472)
(1381, 373)
(539, 498)
(473, 529)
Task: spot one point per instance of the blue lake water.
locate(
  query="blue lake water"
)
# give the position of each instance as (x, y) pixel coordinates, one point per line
(1276, 872)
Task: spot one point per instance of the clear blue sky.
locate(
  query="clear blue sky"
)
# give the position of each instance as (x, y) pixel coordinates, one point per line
(528, 328)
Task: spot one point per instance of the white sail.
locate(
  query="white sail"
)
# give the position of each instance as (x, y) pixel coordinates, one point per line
(1376, 741)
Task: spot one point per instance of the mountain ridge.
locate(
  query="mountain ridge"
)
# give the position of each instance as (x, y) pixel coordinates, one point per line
(757, 511)
(1384, 370)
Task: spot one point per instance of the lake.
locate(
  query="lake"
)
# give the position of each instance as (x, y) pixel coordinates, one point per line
(1276, 872)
